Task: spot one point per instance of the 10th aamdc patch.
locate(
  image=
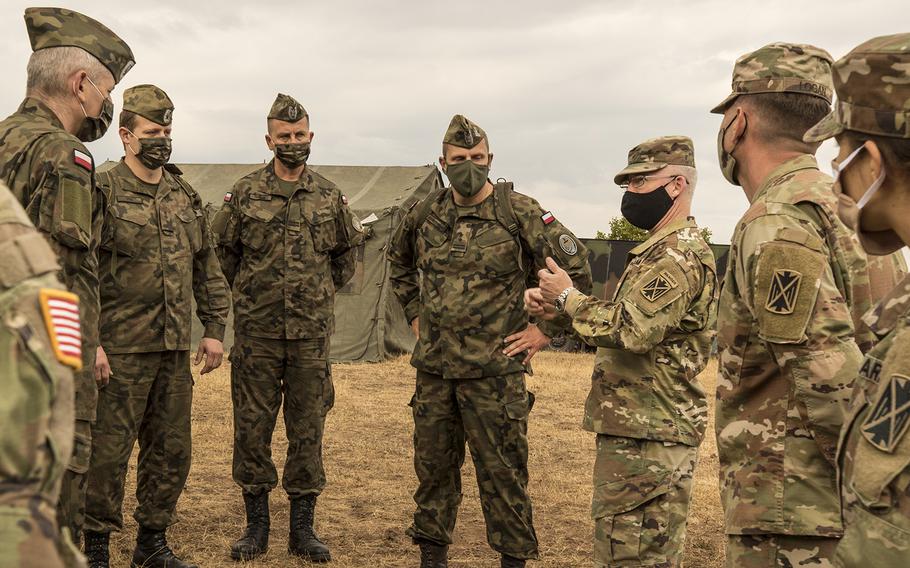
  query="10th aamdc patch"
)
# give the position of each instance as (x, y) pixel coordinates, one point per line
(890, 417)
(61, 317)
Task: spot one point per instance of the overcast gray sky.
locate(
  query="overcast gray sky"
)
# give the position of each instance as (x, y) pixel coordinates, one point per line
(563, 89)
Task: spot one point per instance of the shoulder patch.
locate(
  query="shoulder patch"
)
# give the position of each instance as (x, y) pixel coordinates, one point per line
(547, 218)
(82, 159)
(655, 288)
(228, 197)
(61, 316)
(568, 244)
(786, 284)
(783, 291)
(889, 419)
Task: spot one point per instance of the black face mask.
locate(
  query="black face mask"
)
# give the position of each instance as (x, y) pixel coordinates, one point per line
(645, 210)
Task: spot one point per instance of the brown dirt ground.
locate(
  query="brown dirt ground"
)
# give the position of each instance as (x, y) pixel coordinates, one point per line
(367, 504)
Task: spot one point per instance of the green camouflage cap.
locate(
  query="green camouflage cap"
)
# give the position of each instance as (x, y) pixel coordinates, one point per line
(872, 83)
(149, 102)
(656, 153)
(464, 133)
(782, 68)
(287, 109)
(59, 27)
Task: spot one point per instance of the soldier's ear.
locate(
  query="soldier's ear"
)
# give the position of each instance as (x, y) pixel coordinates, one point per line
(442, 163)
(874, 159)
(490, 160)
(269, 143)
(312, 135)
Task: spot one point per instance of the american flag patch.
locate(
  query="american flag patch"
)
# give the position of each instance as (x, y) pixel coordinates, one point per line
(547, 218)
(61, 315)
(82, 159)
(228, 196)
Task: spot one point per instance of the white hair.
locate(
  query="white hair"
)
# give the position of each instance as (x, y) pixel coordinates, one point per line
(49, 68)
(688, 172)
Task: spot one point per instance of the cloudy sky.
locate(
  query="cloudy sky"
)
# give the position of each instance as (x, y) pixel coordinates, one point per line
(563, 89)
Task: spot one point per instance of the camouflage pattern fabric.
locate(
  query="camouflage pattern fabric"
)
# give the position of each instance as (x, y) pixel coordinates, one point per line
(885, 273)
(464, 133)
(263, 372)
(654, 338)
(642, 490)
(150, 102)
(491, 414)
(787, 359)
(58, 27)
(780, 551)
(157, 255)
(872, 94)
(286, 252)
(287, 109)
(473, 273)
(656, 153)
(36, 409)
(149, 398)
(781, 68)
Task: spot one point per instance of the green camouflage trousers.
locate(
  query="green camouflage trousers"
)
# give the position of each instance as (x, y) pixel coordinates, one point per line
(73, 484)
(266, 373)
(491, 414)
(780, 551)
(149, 397)
(641, 499)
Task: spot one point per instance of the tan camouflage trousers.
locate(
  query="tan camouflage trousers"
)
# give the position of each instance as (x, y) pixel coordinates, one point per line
(491, 415)
(642, 490)
(780, 551)
(29, 538)
(149, 398)
(74, 483)
(267, 374)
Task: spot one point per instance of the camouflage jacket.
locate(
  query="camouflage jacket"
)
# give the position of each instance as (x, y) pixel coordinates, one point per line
(285, 253)
(787, 359)
(875, 448)
(51, 173)
(654, 338)
(464, 274)
(157, 254)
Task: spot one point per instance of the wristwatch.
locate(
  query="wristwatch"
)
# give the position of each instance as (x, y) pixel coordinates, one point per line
(561, 299)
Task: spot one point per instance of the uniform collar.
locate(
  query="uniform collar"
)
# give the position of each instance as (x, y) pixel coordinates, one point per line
(35, 107)
(801, 162)
(135, 184)
(688, 222)
(271, 182)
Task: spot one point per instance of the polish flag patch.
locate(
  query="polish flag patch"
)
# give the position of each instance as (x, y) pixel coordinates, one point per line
(61, 316)
(82, 159)
(547, 218)
(228, 196)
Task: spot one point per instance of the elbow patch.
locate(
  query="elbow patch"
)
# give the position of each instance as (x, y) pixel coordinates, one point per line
(788, 278)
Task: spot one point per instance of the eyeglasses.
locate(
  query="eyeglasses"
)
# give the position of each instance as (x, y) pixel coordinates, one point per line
(638, 182)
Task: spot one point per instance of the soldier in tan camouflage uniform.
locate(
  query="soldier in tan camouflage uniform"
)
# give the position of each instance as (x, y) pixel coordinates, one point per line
(39, 349)
(75, 64)
(785, 330)
(870, 123)
(460, 262)
(287, 241)
(654, 338)
(157, 255)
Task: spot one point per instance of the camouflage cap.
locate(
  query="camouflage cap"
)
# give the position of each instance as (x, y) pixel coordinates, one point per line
(464, 133)
(873, 91)
(656, 153)
(287, 109)
(781, 68)
(59, 27)
(149, 102)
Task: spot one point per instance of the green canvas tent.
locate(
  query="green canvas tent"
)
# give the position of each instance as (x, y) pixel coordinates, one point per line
(369, 322)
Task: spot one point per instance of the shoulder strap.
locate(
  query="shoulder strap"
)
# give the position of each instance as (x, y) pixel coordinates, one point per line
(426, 204)
(502, 202)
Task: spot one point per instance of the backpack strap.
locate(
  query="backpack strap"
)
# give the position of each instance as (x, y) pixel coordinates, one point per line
(426, 204)
(502, 203)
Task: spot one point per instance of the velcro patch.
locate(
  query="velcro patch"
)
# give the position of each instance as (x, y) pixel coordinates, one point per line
(889, 419)
(655, 288)
(783, 292)
(547, 218)
(787, 281)
(228, 196)
(568, 244)
(61, 316)
(80, 158)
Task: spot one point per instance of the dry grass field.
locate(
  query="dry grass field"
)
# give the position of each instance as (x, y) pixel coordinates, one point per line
(367, 504)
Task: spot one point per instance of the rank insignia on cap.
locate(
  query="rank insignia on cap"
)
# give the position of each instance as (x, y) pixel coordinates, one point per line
(567, 244)
(658, 286)
(547, 218)
(228, 196)
(890, 417)
(82, 159)
(61, 316)
(783, 292)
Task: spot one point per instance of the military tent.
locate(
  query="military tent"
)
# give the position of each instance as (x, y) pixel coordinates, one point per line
(369, 322)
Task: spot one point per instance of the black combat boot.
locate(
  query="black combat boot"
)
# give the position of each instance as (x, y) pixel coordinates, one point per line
(433, 555)
(152, 551)
(97, 549)
(255, 539)
(303, 541)
(511, 562)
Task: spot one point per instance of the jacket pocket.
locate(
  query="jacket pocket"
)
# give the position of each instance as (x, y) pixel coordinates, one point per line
(322, 228)
(622, 511)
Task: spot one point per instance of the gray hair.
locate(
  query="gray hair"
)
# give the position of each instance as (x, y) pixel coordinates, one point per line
(49, 68)
(688, 172)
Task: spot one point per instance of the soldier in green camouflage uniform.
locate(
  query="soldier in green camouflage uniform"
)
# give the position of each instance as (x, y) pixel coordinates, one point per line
(654, 338)
(40, 340)
(287, 241)
(75, 64)
(460, 262)
(157, 255)
(785, 330)
(870, 123)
